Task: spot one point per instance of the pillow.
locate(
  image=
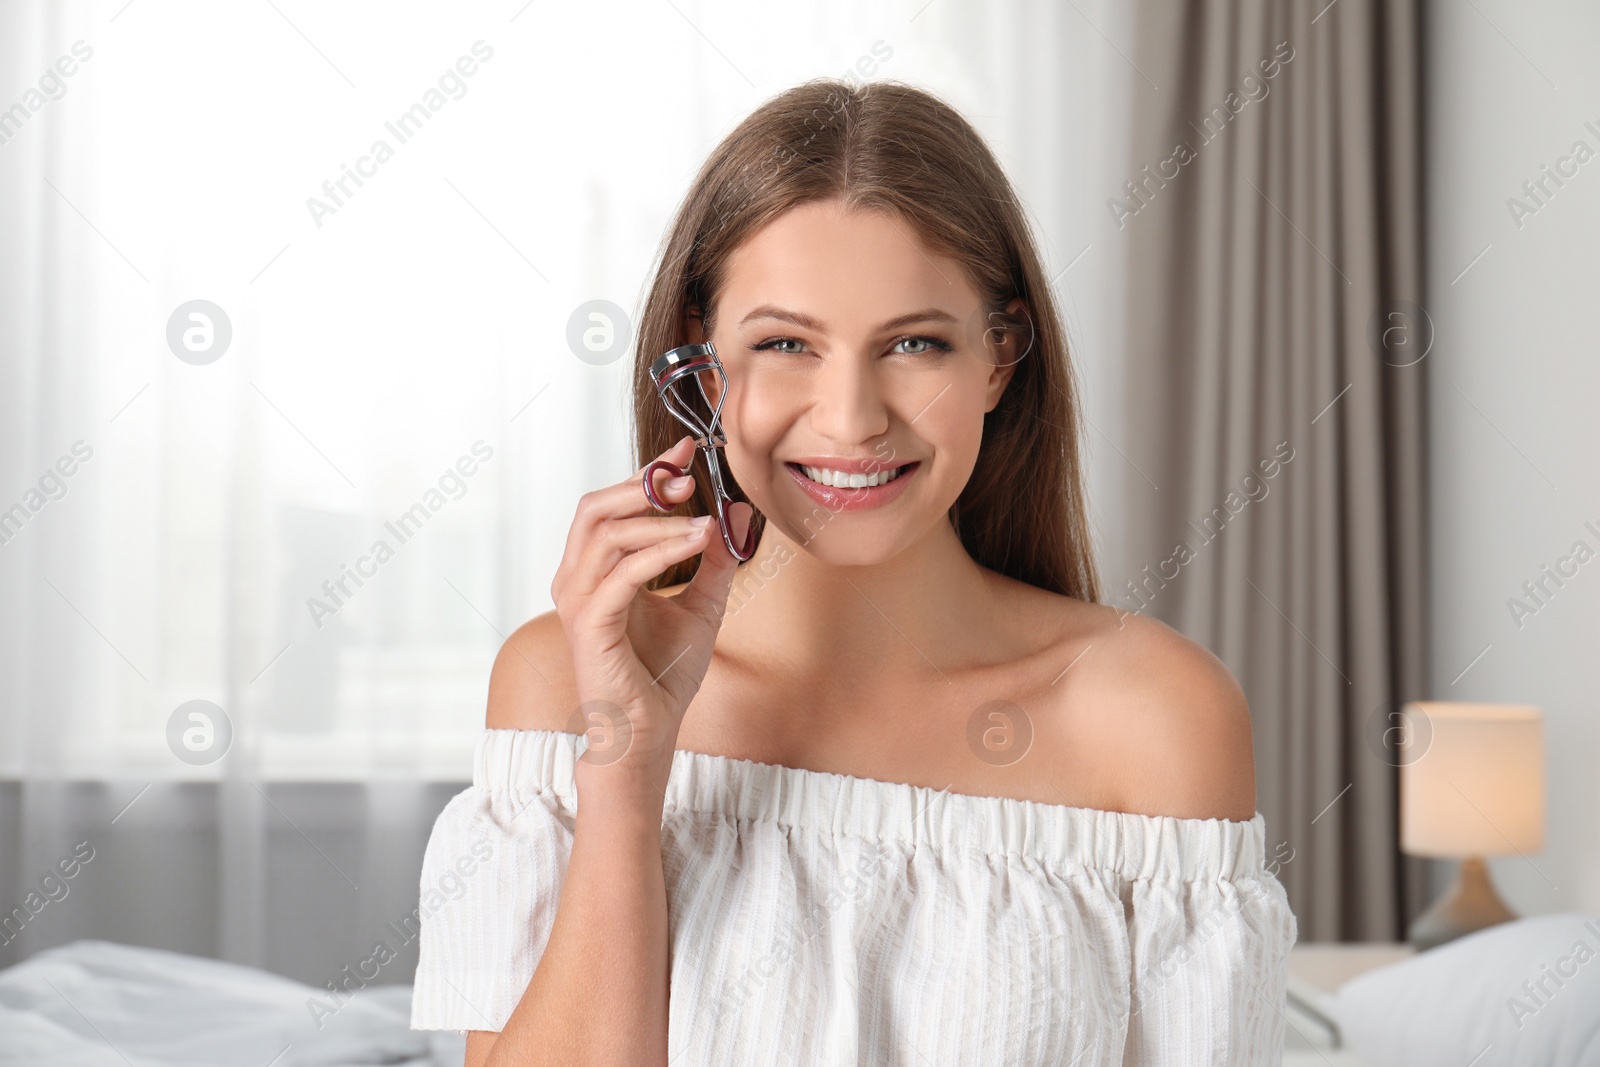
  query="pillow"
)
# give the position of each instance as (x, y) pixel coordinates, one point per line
(1527, 991)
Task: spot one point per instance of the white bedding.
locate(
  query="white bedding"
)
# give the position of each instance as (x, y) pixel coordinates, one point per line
(101, 1004)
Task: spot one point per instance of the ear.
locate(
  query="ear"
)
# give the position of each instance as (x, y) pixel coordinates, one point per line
(1008, 347)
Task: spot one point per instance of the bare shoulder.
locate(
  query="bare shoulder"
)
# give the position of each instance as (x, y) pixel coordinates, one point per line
(1165, 714)
(531, 685)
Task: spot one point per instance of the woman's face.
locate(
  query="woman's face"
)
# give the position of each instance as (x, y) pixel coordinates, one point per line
(850, 346)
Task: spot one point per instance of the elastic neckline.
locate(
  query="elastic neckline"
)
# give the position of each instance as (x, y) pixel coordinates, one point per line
(520, 763)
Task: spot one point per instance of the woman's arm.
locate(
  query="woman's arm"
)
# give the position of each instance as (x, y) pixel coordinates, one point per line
(599, 992)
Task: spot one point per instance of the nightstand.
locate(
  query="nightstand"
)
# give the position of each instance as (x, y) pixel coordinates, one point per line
(1317, 970)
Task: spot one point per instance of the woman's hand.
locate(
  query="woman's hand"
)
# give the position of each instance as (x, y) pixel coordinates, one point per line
(638, 657)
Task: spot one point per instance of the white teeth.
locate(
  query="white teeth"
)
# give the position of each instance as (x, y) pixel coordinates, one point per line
(841, 480)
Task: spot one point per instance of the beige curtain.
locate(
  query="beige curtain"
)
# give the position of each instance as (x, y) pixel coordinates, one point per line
(1276, 446)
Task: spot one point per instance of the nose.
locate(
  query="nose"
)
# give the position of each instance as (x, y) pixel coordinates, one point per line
(846, 404)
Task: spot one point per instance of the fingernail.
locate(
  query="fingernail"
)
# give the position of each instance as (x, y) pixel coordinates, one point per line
(677, 485)
(700, 520)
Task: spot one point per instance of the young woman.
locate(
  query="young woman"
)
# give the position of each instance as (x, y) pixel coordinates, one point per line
(897, 789)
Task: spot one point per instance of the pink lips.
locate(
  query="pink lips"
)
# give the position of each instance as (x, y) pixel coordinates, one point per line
(853, 499)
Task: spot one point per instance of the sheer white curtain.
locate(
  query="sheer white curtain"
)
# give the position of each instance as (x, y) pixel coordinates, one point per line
(291, 418)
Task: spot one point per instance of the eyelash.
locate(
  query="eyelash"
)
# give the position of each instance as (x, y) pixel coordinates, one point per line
(933, 342)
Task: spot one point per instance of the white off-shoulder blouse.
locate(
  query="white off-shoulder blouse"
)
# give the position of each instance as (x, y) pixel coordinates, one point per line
(820, 918)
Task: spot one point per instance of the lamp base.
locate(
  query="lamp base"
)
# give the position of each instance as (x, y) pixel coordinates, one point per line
(1471, 904)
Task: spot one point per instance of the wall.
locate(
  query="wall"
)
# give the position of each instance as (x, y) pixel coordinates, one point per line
(1515, 384)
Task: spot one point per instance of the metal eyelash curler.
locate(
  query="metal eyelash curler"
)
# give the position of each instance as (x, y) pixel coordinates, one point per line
(666, 372)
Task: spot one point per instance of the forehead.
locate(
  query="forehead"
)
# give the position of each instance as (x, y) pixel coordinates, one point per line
(846, 266)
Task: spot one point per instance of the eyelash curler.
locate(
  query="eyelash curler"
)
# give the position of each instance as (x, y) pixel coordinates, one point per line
(667, 372)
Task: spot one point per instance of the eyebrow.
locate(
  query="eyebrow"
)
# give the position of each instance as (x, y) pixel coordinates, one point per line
(807, 322)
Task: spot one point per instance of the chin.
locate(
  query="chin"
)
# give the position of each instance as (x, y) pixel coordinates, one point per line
(838, 547)
(844, 539)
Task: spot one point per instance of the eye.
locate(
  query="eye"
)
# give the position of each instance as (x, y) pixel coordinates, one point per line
(777, 344)
(928, 346)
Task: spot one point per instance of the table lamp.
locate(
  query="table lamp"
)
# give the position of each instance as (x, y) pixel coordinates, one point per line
(1475, 788)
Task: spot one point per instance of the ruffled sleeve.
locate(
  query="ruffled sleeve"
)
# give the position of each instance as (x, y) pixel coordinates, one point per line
(491, 877)
(1210, 954)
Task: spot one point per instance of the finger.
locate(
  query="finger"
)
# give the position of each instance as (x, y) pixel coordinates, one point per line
(625, 498)
(608, 606)
(669, 490)
(629, 493)
(707, 592)
(622, 537)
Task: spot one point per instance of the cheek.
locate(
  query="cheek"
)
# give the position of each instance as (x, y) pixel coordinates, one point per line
(953, 427)
(959, 410)
(755, 417)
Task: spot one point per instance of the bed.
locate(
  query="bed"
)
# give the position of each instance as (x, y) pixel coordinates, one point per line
(1526, 991)
(101, 1004)
(1522, 992)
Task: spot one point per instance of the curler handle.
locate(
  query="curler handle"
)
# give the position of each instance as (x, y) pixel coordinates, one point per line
(650, 482)
(748, 549)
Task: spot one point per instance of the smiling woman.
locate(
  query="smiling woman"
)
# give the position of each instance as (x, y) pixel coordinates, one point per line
(978, 281)
(923, 791)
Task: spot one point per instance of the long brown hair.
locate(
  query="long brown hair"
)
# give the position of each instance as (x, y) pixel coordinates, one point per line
(889, 146)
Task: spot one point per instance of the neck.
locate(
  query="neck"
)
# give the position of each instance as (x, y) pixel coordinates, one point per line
(908, 616)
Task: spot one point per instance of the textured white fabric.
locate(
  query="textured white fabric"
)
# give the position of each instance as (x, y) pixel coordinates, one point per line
(820, 918)
(1522, 991)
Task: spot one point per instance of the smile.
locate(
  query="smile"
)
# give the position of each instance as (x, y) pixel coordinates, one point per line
(850, 490)
(846, 480)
